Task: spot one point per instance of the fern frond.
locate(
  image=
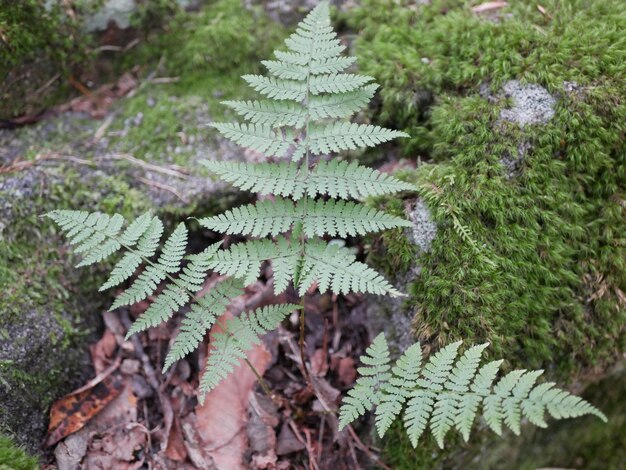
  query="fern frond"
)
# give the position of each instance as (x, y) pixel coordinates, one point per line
(337, 83)
(258, 137)
(243, 260)
(276, 88)
(337, 179)
(339, 136)
(367, 391)
(447, 392)
(201, 318)
(240, 334)
(270, 113)
(318, 218)
(334, 267)
(340, 105)
(264, 178)
(148, 281)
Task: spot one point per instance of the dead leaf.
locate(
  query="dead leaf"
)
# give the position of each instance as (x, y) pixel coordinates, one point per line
(221, 421)
(488, 6)
(175, 449)
(346, 371)
(73, 411)
(102, 352)
(319, 363)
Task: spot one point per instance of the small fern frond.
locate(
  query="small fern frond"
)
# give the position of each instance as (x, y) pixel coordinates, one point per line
(337, 83)
(334, 267)
(339, 136)
(337, 179)
(318, 218)
(340, 105)
(276, 88)
(239, 335)
(258, 137)
(270, 113)
(447, 392)
(367, 391)
(201, 318)
(243, 260)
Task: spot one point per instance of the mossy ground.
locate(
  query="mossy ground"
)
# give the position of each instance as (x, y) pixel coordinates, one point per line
(13, 457)
(541, 270)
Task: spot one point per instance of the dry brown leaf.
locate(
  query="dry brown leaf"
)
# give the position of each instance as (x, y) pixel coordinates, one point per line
(175, 445)
(73, 411)
(221, 421)
(102, 352)
(488, 6)
(346, 371)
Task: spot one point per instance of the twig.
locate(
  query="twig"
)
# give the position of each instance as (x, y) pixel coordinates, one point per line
(178, 173)
(164, 187)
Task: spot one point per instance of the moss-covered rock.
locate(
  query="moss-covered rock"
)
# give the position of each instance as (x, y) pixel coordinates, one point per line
(518, 122)
(13, 457)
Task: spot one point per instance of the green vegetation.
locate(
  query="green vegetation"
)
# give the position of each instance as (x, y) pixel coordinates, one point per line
(534, 263)
(13, 457)
(206, 52)
(540, 269)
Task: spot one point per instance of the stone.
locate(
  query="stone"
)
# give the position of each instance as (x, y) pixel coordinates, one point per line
(532, 104)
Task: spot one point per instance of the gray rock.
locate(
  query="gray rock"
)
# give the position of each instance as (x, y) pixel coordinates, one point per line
(424, 229)
(532, 104)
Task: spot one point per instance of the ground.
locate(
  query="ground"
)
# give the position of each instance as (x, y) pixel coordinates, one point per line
(517, 118)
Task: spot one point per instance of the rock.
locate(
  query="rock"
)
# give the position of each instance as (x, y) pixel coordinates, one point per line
(392, 315)
(117, 11)
(532, 104)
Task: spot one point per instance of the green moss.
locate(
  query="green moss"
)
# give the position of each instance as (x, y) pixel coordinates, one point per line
(207, 52)
(13, 457)
(535, 264)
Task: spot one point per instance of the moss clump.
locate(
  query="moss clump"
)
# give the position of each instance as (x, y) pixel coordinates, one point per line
(13, 457)
(38, 42)
(541, 270)
(206, 51)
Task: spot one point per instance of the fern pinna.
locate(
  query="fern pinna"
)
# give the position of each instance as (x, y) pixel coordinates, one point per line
(446, 393)
(302, 120)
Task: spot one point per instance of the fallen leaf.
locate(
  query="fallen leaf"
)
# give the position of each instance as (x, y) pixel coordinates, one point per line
(221, 421)
(287, 441)
(346, 371)
(175, 449)
(102, 352)
(73, 411)
(488, 6)
(319, 363)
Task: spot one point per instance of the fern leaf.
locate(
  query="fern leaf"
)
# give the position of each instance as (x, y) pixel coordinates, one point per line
(270, 113)
(276, 88)
(201, 318)
(367, 390)
(335, 268)
(258, 137)
(340, 105)
(264, 178)
(243, 260)
(344, 218)
(395, 393)
(337, 83)
(285, 266)
(447, 392)
(339, 136)
(240, 334)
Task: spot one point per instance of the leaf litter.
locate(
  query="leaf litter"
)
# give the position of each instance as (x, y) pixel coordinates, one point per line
(131, 416)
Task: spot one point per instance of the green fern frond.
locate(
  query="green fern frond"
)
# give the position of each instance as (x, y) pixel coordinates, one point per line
(447, 392)
(243, 260)
(337, 179)
(239, 335)
(201, 318)
(335, 268)
(270, 113)
(340, 105)
(367, 391)
(337, 83)
(318, 218)
(339, 136)
(258, 137)
(276, 88)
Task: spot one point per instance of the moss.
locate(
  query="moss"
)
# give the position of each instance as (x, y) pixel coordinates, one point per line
(38, 44)
(207, 52)
(13, 457)
(535, 264)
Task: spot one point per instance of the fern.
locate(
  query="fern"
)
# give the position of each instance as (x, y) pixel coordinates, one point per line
(308, 96)
(448, 390)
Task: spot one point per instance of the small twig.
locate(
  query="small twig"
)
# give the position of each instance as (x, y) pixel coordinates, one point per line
(307, 376)
(164, 187)
(162, 80)
(178, 173)
(366, 449)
